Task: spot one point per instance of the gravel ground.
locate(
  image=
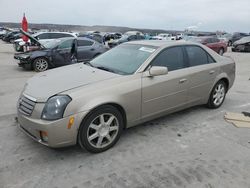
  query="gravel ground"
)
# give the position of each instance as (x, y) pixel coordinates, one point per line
(192, 148)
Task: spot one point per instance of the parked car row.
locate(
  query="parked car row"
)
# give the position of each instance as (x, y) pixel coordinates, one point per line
(11, 36)
(46, 50)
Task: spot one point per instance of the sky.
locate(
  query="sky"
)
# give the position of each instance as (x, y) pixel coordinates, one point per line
(202, 15)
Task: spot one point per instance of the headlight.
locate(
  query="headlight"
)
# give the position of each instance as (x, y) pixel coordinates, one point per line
(55, 107)
(24, 56)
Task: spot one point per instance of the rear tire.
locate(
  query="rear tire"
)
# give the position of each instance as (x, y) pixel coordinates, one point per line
(40, 64)
(101, 129)
(217, 95)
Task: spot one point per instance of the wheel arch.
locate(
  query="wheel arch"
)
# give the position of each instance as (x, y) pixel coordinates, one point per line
(221, 78)
(226, 81)
(115, 105)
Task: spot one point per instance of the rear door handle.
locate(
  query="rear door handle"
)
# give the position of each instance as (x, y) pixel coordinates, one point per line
(182, 80)
(211, 72)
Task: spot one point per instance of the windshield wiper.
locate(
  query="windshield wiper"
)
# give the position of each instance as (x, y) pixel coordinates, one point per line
(105, 68)
(88, 63)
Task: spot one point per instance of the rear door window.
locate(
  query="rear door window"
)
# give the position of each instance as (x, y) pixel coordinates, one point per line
(197, 56)
(81, 43)
(172, 58)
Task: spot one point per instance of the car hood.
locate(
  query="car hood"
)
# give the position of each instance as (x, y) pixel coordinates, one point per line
(32, 38)
(242, 41)
(52, 82)
(34, 53)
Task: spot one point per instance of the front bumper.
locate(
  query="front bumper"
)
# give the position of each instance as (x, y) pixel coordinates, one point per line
(58, 133)
(26, 63)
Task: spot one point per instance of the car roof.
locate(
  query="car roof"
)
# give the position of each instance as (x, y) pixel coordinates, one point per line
(161, 43)
(57, 32)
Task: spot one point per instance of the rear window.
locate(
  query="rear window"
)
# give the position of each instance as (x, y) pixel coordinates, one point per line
(43, 36)
(58, 35)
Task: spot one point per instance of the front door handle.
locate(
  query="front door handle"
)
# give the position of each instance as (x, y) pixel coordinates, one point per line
(182, 80)
(212, 72)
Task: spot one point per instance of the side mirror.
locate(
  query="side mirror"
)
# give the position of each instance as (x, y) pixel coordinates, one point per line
(158, 70)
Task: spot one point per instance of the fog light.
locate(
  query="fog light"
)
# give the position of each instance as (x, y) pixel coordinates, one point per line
(71, 122)
(44, 136)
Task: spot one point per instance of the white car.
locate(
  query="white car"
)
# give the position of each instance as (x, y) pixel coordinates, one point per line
(164, 36)
(179, 36)
(43, 37)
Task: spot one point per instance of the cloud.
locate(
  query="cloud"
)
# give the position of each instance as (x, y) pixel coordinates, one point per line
(208, 15)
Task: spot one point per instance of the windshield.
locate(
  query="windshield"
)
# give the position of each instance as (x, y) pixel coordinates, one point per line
(50, 44)
(124, 59)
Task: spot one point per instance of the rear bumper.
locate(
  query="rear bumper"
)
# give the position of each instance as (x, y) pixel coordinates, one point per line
(58, 133)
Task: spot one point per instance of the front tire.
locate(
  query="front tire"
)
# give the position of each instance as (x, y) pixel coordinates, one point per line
(217, 95)
(40, 64)
(101, 129)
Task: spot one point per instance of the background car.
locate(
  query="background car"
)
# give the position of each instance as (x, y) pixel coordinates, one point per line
(179, 36)
(9, 36)
(3, 31)
(211, 42)
(94, 36)
(128, 36)
(242, 45)
(111, 36)
(40, 36)
(60, 52)
(164, 36)
(225, 37)
(235, 37)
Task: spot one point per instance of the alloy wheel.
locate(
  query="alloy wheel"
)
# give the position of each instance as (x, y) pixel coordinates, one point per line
(41, 65)
(103, 130)
(219, 94)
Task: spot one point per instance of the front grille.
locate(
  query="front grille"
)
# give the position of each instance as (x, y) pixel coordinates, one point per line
(26, 105)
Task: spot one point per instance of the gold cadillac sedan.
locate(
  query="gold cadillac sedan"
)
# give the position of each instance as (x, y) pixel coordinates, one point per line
(92, 103)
